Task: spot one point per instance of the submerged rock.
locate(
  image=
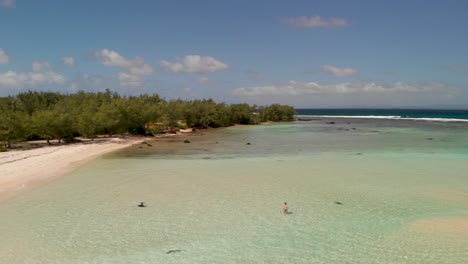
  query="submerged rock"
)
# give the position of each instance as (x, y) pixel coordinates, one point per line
(339, 203)
(186, 141)
(173, 251)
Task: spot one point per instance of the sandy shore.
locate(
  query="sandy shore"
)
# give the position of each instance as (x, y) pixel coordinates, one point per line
(21, 170)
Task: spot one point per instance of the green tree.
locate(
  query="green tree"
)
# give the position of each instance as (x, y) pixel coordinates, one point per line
(14, 122)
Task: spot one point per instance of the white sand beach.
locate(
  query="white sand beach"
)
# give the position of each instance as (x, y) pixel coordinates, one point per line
(23, 169)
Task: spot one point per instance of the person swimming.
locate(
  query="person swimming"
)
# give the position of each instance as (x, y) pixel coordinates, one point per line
(142, 204)
(285, 208)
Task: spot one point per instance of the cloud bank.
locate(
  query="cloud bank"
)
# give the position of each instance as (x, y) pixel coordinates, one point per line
(371, 94)
(305, 88)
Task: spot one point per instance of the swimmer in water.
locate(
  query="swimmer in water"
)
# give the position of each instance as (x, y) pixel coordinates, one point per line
(285, 208)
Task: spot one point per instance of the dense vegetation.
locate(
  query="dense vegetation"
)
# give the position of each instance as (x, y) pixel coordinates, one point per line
(48, 115)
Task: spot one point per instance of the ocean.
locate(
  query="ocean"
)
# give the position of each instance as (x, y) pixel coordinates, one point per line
(360, 189)
(418, 114)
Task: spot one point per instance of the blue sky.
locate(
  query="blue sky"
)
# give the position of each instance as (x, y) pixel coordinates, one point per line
(302, 53)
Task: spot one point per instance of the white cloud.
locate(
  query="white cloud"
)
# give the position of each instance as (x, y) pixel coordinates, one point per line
(112, 59)
(135, 68)
(339, 72)
(40, 66)
(129, 80)
(41, 75)
(194, 64)
(294, 88)
(204, 81)
(8, 3)
(14, 79)
(315, 22)
(4, 58)
(69, 61)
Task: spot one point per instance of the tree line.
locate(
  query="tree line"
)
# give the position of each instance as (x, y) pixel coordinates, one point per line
(49, 115)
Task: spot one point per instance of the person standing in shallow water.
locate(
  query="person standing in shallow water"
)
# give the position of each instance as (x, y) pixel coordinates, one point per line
(285, 208)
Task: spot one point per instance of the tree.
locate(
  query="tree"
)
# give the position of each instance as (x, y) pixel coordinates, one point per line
(13, 122)
(50, 115)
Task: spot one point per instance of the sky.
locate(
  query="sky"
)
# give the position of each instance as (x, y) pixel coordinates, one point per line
(308, 54)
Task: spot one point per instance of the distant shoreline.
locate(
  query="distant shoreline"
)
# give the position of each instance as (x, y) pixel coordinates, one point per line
(22, 170)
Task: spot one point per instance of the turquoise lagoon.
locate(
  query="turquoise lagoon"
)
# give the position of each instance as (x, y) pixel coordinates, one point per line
(402, 185)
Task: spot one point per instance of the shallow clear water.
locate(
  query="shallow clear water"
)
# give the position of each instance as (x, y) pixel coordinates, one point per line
(218, 200)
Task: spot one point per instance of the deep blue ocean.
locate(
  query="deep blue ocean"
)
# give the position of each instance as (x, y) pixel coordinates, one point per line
(387, 113)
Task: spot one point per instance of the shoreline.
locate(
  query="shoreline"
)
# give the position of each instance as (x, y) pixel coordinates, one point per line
(23, 170)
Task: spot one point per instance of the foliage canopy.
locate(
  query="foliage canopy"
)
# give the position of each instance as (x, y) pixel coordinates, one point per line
(48, 115)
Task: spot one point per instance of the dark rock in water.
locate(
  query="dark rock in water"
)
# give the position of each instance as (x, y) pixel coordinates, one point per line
(149, 145)
(140, 147)
(144, 142)
(173, 251)
(359, 153)
(375, 131)
(338, 203)
(354, 128)
(186, 141)
(217, 142)
(348, 123)
(429, 138)
(331, 123)
(248, 143)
